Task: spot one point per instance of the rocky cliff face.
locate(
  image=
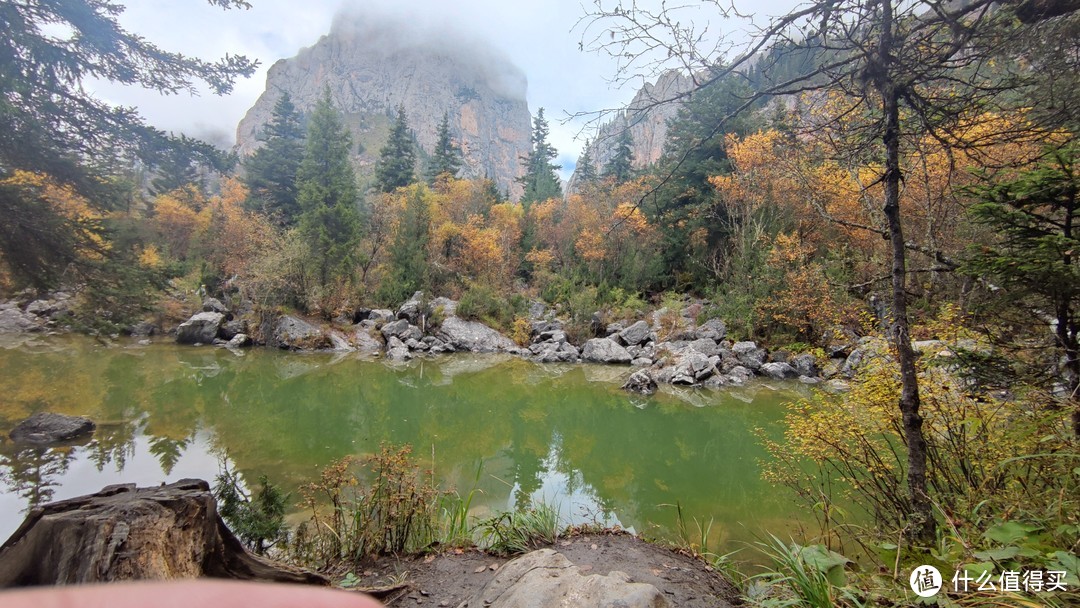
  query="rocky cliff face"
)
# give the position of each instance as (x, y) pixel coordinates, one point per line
(372, 66)
(646, 118)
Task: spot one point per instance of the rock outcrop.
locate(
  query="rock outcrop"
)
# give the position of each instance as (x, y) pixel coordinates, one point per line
(473, 336)
(201, 328)
(374, 64)
(547, 578)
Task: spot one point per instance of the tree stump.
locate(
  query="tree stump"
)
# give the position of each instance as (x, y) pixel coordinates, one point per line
(128, 533)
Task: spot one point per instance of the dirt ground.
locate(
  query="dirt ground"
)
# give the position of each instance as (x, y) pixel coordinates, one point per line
(448, 578)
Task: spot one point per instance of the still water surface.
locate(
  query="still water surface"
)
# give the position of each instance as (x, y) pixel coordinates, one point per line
(565, 434)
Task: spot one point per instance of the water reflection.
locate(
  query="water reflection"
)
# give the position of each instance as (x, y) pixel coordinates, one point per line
(563, 434)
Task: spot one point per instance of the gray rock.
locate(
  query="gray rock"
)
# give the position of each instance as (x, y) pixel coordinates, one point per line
(296, 334)
(805, 364)
(739, 375)
(713, 329)
(809, 379)
(402, 330)
(779, 370)
(749, 354)
(339, 343)
(143, 329)
(691, 368)
(412, 308)
(546, 578)
(381, 316)
(44, 428)
(539, 327)
(853, 363)
(397, 351)
(640, 382)
(555, 352)
(365, 343)
(443, 306)
(604, 350)
(232, 328)
(635, 334)
(239, 340)
(838, 342)
(922, 347)
(214, 305)
(15, 321)
(641, 362)
(613, 328)
(780, 356)
(473, 336)
(551, 335)
(201, 328)
(706, 346)
(537, 309)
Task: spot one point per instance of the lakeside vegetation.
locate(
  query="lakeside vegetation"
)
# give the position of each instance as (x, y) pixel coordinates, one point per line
(916, 179)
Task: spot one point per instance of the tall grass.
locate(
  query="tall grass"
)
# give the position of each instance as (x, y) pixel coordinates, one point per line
(520, 531)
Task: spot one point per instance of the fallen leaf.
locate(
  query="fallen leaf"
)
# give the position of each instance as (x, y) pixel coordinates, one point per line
(429, 559)
(494, 566)
(480, 569)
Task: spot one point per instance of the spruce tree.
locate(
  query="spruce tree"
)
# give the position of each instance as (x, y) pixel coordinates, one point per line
(271, 170)
(447, 157)
(585, 171)
(540, 180)
(620, 167)
(329, 219)
(397, 159)
(408, 253)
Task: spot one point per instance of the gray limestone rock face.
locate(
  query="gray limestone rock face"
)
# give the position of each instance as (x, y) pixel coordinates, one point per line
(545, 578)
(372, 65)
(604, 350)
(201, 328)
(473, 336)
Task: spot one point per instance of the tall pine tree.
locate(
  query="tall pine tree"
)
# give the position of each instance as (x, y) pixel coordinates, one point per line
(271, 170)
(329, 219)
(540, 180)
(585, 171)
(621, 165)
(397, 159)
(447, 157)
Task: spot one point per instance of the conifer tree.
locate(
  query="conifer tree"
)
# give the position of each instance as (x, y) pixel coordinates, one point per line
(271, 170)
(585, 171)
(327, 192)
(540, 180)
(397, 159)
(408, 253)
(447, 157)
(620, 166)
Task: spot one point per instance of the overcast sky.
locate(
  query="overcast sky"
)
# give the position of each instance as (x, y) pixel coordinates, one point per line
(538, 36)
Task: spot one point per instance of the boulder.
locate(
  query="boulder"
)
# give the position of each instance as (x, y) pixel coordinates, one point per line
(238, 341)
(473, 336)
(365, 343)
(690, 368)
(444, 307)
(635, 334)
(552, 335)
(749, 354)
(402, 330)
(396, 350)
(640, 382)
(291, 333)
(739, 375)
(15, 321)
(545, 578)
(612, 330)
(713, 329)
(124, 533)
(706, 346)
(201, 328)
(232, 328)
(45, 428)
(805, 364)
(214, 305)
(778, 370)
(554, 352)
(413, 308)
(143, 329)
(381, 315)
(604, 350)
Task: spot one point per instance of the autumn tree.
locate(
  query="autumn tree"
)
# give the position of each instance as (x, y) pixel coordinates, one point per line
(540, 179)
(446, 159)
(270, 172)
(909, 68)
(328, 193)
(396, 166)
(408, 252)
(53, 125)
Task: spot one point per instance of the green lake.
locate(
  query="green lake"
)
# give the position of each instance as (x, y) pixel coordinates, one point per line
(564, 434)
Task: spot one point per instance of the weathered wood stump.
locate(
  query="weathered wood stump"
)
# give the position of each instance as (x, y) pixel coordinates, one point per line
(128, 533)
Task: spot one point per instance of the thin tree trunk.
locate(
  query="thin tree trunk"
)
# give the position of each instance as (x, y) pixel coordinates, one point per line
(922, 519)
